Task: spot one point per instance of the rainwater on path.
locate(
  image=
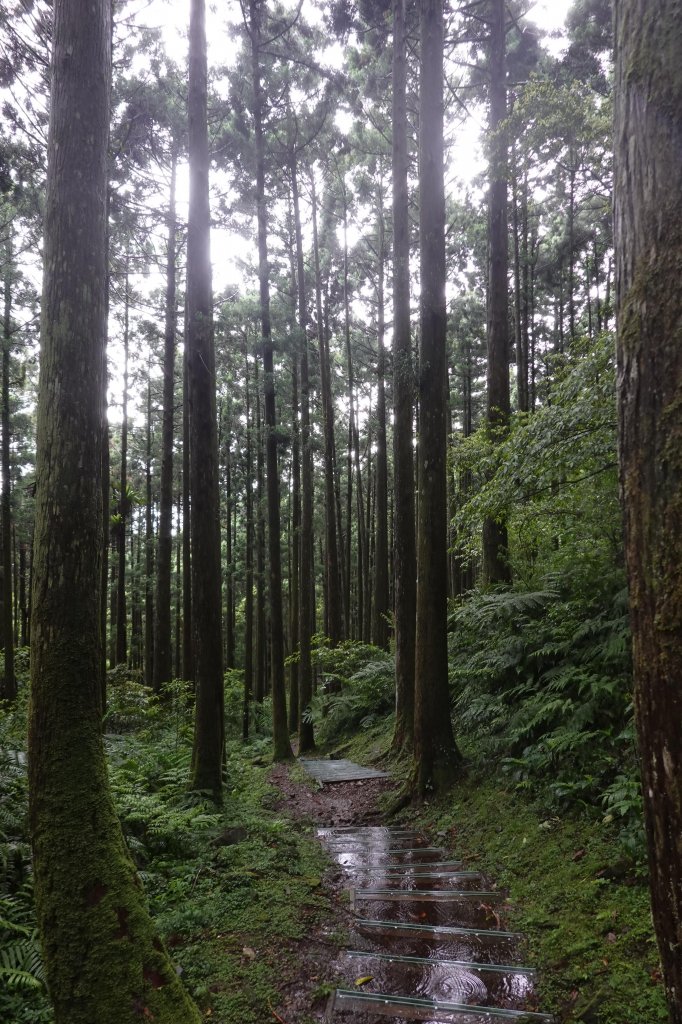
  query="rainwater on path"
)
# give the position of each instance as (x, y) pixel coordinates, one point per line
(428, 939)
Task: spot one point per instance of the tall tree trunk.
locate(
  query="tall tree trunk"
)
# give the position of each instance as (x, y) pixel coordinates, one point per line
(149, 556)
(178, 590)
(280, 733)
(123, 505)
(248, 561)
(333, 588)
(8, 690)
(648, 234)
(306, 739)
(521, 350)
(435, 753)
(350, 631)
(187, 631)
(261, 626)
(381, 609)
(112, 604)
(23, 607)
(571, 245)
(106, 477)
(163, 652)
(295, 568)
(368, 545)
(106, 532)
(135, 652)
(525, 290)
(404, 551)
(229, 553)
(362, 546)
(103, 960)
(209, 725)
(495, 541)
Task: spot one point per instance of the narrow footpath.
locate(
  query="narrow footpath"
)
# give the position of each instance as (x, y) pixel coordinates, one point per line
(428, 940)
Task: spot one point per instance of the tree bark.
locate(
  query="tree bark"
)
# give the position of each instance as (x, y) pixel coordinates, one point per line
(103, 960)
(295, 567)
(248, 560)
(280, 733)
(163, 651)
(404, 550)
(187, 631)
(380, 608)
(8, 691)
(333, 589)
(149, 555)
(123, 504)
(648, 234)
(209, 726)
(495, 541)
(229, 553)
(435, 754)
(306, 738)
(261, 626)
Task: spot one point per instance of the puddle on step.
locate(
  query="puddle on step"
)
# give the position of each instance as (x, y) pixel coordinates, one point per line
(372, 1008)
(472, 910)
(441, 942)
(458, 981)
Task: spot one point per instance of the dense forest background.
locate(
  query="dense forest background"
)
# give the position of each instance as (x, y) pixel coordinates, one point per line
(313, 398)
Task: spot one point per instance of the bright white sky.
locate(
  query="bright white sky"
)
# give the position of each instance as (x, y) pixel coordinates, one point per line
(173, 17)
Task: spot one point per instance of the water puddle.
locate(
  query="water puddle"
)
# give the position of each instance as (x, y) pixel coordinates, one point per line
(429, 940)
(459, 981)
(365, 1008)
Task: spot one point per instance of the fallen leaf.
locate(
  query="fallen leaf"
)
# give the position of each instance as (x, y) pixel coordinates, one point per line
(248, 952)
(578, 855)
(364, 980)
(611, 937)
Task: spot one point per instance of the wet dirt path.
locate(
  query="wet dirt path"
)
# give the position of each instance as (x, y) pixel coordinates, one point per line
(428, 940)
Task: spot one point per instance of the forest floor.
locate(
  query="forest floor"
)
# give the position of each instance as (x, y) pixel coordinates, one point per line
(255, 914)
(343, 803)
(581, 902)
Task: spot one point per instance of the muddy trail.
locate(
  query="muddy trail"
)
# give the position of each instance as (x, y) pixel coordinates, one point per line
(427, 938)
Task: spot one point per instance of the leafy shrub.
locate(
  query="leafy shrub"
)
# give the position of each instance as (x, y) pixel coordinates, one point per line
(22, 983)
(362, 687)
(129, 702)
(541, 681)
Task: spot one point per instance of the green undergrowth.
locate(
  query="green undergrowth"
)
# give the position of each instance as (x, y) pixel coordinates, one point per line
(234, 892)
(574, 891)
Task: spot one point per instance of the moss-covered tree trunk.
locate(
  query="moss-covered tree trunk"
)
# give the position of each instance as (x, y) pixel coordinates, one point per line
(209, 723)
(648, 226)
(103, 960)
(435, 753)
